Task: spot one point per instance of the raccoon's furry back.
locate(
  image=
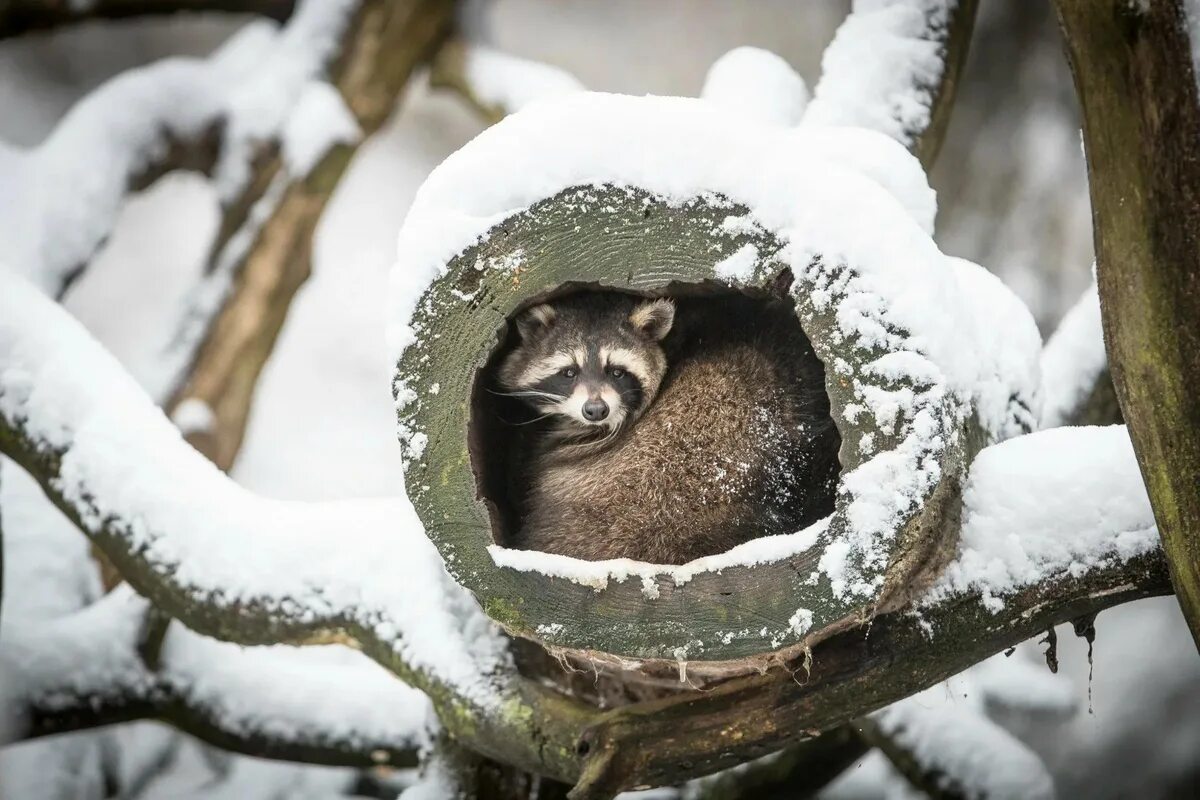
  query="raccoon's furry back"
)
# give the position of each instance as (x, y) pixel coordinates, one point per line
(738, 444)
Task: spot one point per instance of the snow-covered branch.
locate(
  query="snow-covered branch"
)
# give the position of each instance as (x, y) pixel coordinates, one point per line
(893, 67)
(262, 252)
(93, 668)
(19, 17)
(494, 83)
(247, 569)
(61, 197)
(258, 571)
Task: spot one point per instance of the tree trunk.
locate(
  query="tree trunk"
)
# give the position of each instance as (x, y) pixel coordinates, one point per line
(1141, 123)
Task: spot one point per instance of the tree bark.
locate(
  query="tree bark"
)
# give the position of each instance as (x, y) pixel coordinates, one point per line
(1133, 69)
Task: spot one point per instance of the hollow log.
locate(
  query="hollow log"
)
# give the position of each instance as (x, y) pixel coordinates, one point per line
(725, 615)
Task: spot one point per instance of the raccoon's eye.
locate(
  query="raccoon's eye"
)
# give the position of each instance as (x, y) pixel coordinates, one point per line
(568, 372)
(616, 372)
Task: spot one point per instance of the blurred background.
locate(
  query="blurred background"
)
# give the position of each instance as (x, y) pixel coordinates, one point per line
(1012, 196)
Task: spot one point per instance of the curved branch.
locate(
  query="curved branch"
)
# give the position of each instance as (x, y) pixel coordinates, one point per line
(894, 67)
(801, 770)
(255, 571)
(950, 753)
(89, 669)
(20, 17)
(495, 84)
(1134, 74)
(250, 570)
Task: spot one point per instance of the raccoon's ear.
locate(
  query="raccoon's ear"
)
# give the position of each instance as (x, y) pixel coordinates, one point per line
(653, 318)
(535, 321)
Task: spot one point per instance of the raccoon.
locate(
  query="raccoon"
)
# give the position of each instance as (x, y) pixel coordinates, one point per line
(674, 429)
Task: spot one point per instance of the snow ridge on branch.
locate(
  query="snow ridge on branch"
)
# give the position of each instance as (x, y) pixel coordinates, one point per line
(139, 489)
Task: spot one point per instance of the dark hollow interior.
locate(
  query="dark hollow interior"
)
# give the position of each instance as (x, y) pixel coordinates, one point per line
(503, 430)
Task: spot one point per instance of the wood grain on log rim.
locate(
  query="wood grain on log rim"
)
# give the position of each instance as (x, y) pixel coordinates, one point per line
(1134, 75)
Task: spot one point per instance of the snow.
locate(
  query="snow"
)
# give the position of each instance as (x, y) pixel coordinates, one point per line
(62, 197)
(193, 415)
(830, 204)
(1073, 360)
(756, 84)
(739, 266)
(319, 121)
(597, 574)
(1055, 503)
(125, 470)
(881, 67)
(971, 752)
(503, 81)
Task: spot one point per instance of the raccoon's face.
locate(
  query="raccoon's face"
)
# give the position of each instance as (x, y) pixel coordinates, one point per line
(593, 361)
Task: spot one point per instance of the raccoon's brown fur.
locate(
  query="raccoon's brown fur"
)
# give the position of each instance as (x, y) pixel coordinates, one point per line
(736, 442)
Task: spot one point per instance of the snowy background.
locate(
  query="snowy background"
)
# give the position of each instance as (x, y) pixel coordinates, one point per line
(1012, 196)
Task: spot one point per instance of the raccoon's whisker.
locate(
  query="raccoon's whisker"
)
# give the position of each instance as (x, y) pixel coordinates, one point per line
(530, 393)
(535, 419)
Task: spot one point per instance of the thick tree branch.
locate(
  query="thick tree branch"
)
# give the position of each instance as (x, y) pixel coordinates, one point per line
(849, 675)
(19, 17)
(254, 571)
(894, 67)
(1133, 68)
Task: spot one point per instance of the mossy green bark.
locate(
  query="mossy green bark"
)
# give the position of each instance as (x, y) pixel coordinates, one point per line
(1134, 75)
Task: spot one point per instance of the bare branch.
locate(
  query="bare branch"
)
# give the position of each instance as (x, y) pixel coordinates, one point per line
(496, 84)
(1134, 73)
(20, 17)
(893, 67)
(801, 770)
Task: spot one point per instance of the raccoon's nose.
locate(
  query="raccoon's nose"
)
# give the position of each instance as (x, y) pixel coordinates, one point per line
(595, 410)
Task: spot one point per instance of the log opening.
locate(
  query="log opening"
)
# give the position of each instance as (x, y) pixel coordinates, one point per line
(711, 319)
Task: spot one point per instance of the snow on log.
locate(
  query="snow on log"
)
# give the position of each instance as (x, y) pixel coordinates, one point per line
(629, 194)
(893, 67)
(758, 84)
(1038, 507)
